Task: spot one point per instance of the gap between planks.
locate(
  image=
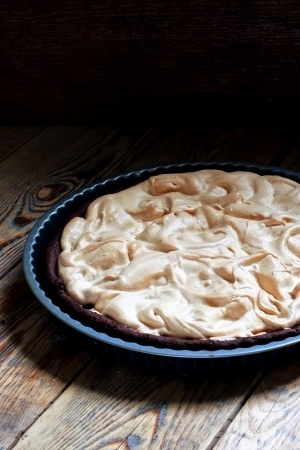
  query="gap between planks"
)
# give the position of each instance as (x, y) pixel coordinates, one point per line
(13, 137)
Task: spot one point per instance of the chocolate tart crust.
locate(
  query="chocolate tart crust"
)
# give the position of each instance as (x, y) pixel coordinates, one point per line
(54, 286)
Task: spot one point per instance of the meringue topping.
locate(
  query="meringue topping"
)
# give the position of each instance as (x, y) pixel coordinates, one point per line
(203, 255)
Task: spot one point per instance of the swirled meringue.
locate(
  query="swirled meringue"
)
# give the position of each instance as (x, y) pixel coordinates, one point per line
(208, 255)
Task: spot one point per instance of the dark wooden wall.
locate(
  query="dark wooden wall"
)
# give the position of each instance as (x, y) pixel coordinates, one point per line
(77, 60)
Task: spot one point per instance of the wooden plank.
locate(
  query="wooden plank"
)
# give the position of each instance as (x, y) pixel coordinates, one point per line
(34, 370)
(19, 310)
(119, 408)
(13, 137)
(270, 418)
(128, 53)
(215, 143)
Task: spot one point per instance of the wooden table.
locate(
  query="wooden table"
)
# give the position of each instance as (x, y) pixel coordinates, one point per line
(57, 395)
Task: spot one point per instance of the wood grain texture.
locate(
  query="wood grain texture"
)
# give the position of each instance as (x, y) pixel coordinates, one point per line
(270, 418)
(116, 407)
(79, 59)
(215, 143)
(40, 173)
(34, 370)
(19, 310)
(106, 408)
(13, 137)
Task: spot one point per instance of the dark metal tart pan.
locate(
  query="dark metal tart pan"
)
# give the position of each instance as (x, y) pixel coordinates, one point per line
(145, 353)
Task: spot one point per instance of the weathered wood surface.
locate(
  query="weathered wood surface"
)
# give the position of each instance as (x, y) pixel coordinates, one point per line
(35, 369)
(19, 315)
(54, 392)
(270, 418)
(151, 412)
(83, 58)
(14, 137)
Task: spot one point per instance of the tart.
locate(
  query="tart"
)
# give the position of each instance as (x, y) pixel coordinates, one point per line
(205, 259)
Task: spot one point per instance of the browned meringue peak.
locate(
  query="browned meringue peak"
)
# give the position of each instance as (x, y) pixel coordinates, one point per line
(208, 254)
